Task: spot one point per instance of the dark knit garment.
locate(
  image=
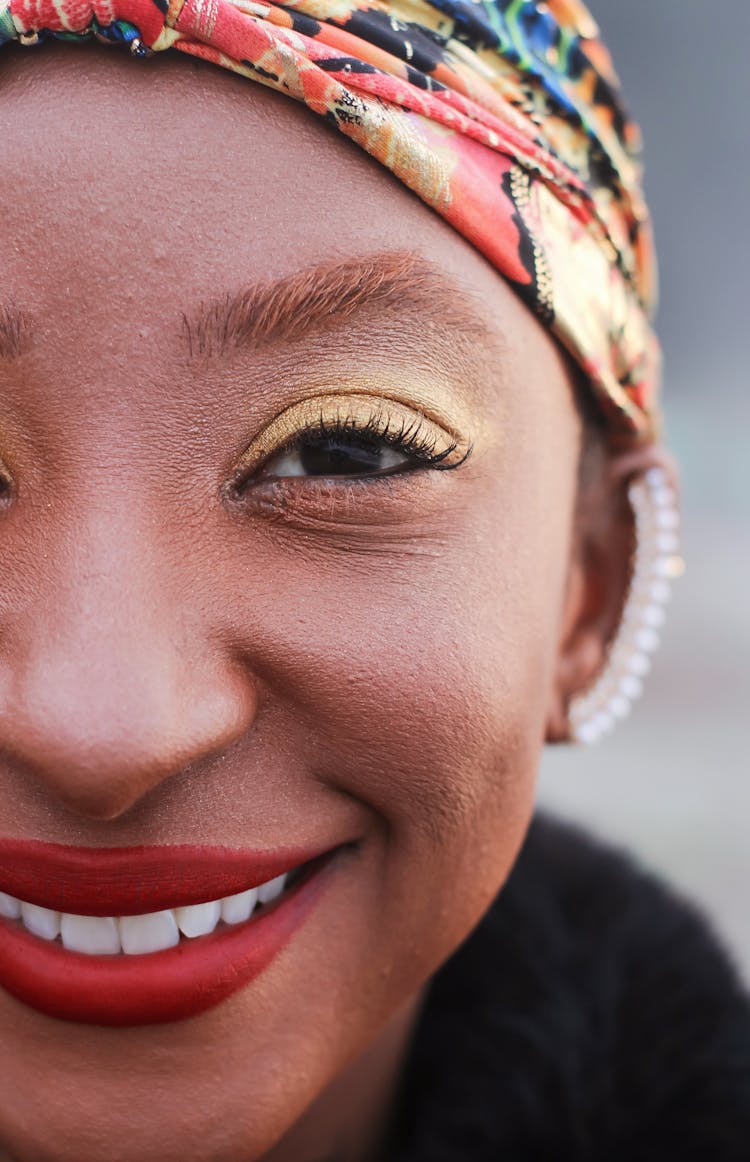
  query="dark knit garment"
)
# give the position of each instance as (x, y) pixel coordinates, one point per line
(591, 1017)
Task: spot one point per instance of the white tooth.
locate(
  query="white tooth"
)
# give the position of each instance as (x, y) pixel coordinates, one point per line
(269, 891)
(198, 919)
(237, 909)
(41, 921)
(150, 933)
(9, 906)
(95, 935)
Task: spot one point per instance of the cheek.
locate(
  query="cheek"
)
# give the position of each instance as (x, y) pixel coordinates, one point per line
(426, 699)
(440, 738)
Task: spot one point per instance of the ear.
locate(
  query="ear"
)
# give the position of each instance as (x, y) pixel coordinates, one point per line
(600, 569)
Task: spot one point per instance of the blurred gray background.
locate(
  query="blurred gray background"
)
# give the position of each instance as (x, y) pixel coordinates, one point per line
(673, 783)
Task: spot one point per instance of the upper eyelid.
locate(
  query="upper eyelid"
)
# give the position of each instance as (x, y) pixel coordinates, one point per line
(307, 415)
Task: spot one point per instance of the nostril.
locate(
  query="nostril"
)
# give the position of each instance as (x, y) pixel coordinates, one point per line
(98, 743)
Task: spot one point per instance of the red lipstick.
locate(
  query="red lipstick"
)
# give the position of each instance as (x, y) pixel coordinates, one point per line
(156, 987)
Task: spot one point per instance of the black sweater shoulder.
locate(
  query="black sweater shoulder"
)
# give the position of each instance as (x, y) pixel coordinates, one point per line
(591, 1016)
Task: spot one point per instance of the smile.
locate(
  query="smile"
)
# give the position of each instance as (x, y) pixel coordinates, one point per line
(139, 935)
(115, 952)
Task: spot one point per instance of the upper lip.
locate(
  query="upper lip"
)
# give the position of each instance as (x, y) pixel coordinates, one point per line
(122, 881)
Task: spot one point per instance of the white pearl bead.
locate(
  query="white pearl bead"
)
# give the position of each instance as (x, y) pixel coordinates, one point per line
(664, 497)
(631, 687)
(587, 733)
(660, 591)
(647, 640)
(640, 665)
(656, 477)
(667, 518)
(654, 616)
(619, 706)
(604, 722)
(664, 567)
(667, 542)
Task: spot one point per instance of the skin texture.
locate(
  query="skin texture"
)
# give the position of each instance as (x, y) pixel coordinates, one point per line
(308, 662)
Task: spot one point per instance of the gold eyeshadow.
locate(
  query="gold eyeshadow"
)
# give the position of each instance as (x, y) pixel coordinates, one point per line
(351, 411)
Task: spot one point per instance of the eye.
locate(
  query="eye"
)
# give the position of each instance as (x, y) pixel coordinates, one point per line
(6, 487)
(349, 437)
(345, 454)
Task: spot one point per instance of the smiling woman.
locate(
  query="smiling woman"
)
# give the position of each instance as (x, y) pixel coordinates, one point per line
(313, 533)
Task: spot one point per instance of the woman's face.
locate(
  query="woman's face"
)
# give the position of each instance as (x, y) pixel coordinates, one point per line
(202, 641)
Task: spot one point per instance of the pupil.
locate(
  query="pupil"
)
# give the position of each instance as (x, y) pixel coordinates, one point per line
(334, 457)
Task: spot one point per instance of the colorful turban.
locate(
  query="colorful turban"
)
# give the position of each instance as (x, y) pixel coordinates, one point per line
(503, 115)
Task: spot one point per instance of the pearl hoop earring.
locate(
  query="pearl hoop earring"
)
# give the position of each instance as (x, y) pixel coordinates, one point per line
(657, 562)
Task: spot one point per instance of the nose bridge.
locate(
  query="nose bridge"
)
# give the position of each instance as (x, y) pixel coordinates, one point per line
(114, 680)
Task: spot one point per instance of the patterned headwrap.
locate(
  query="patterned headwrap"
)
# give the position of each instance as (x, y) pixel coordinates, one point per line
(503, 115)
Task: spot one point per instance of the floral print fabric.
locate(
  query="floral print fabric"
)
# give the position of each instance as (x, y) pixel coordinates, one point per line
(503, 115)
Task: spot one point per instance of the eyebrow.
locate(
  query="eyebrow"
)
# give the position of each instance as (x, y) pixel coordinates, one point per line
(329, 295)
(15, 332)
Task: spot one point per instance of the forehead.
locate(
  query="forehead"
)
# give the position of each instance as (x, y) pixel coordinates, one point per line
(153, 187)
(190, 160)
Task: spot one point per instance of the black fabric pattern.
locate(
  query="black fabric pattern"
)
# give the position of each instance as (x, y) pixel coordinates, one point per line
(591, 1017)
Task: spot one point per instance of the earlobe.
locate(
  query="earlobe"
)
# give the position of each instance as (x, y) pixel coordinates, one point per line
(618, 585)
(581, 646)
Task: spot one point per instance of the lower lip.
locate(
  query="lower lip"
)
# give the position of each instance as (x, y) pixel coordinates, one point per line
(157, 988)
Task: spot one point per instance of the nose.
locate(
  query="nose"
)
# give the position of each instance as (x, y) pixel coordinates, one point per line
(111, 681)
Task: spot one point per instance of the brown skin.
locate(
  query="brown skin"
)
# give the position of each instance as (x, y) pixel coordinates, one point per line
(313, 662)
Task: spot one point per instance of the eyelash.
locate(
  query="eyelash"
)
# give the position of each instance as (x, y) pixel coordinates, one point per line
(413, 439)
(410, 434)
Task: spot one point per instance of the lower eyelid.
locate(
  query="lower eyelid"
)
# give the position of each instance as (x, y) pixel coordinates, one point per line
(325, 503)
